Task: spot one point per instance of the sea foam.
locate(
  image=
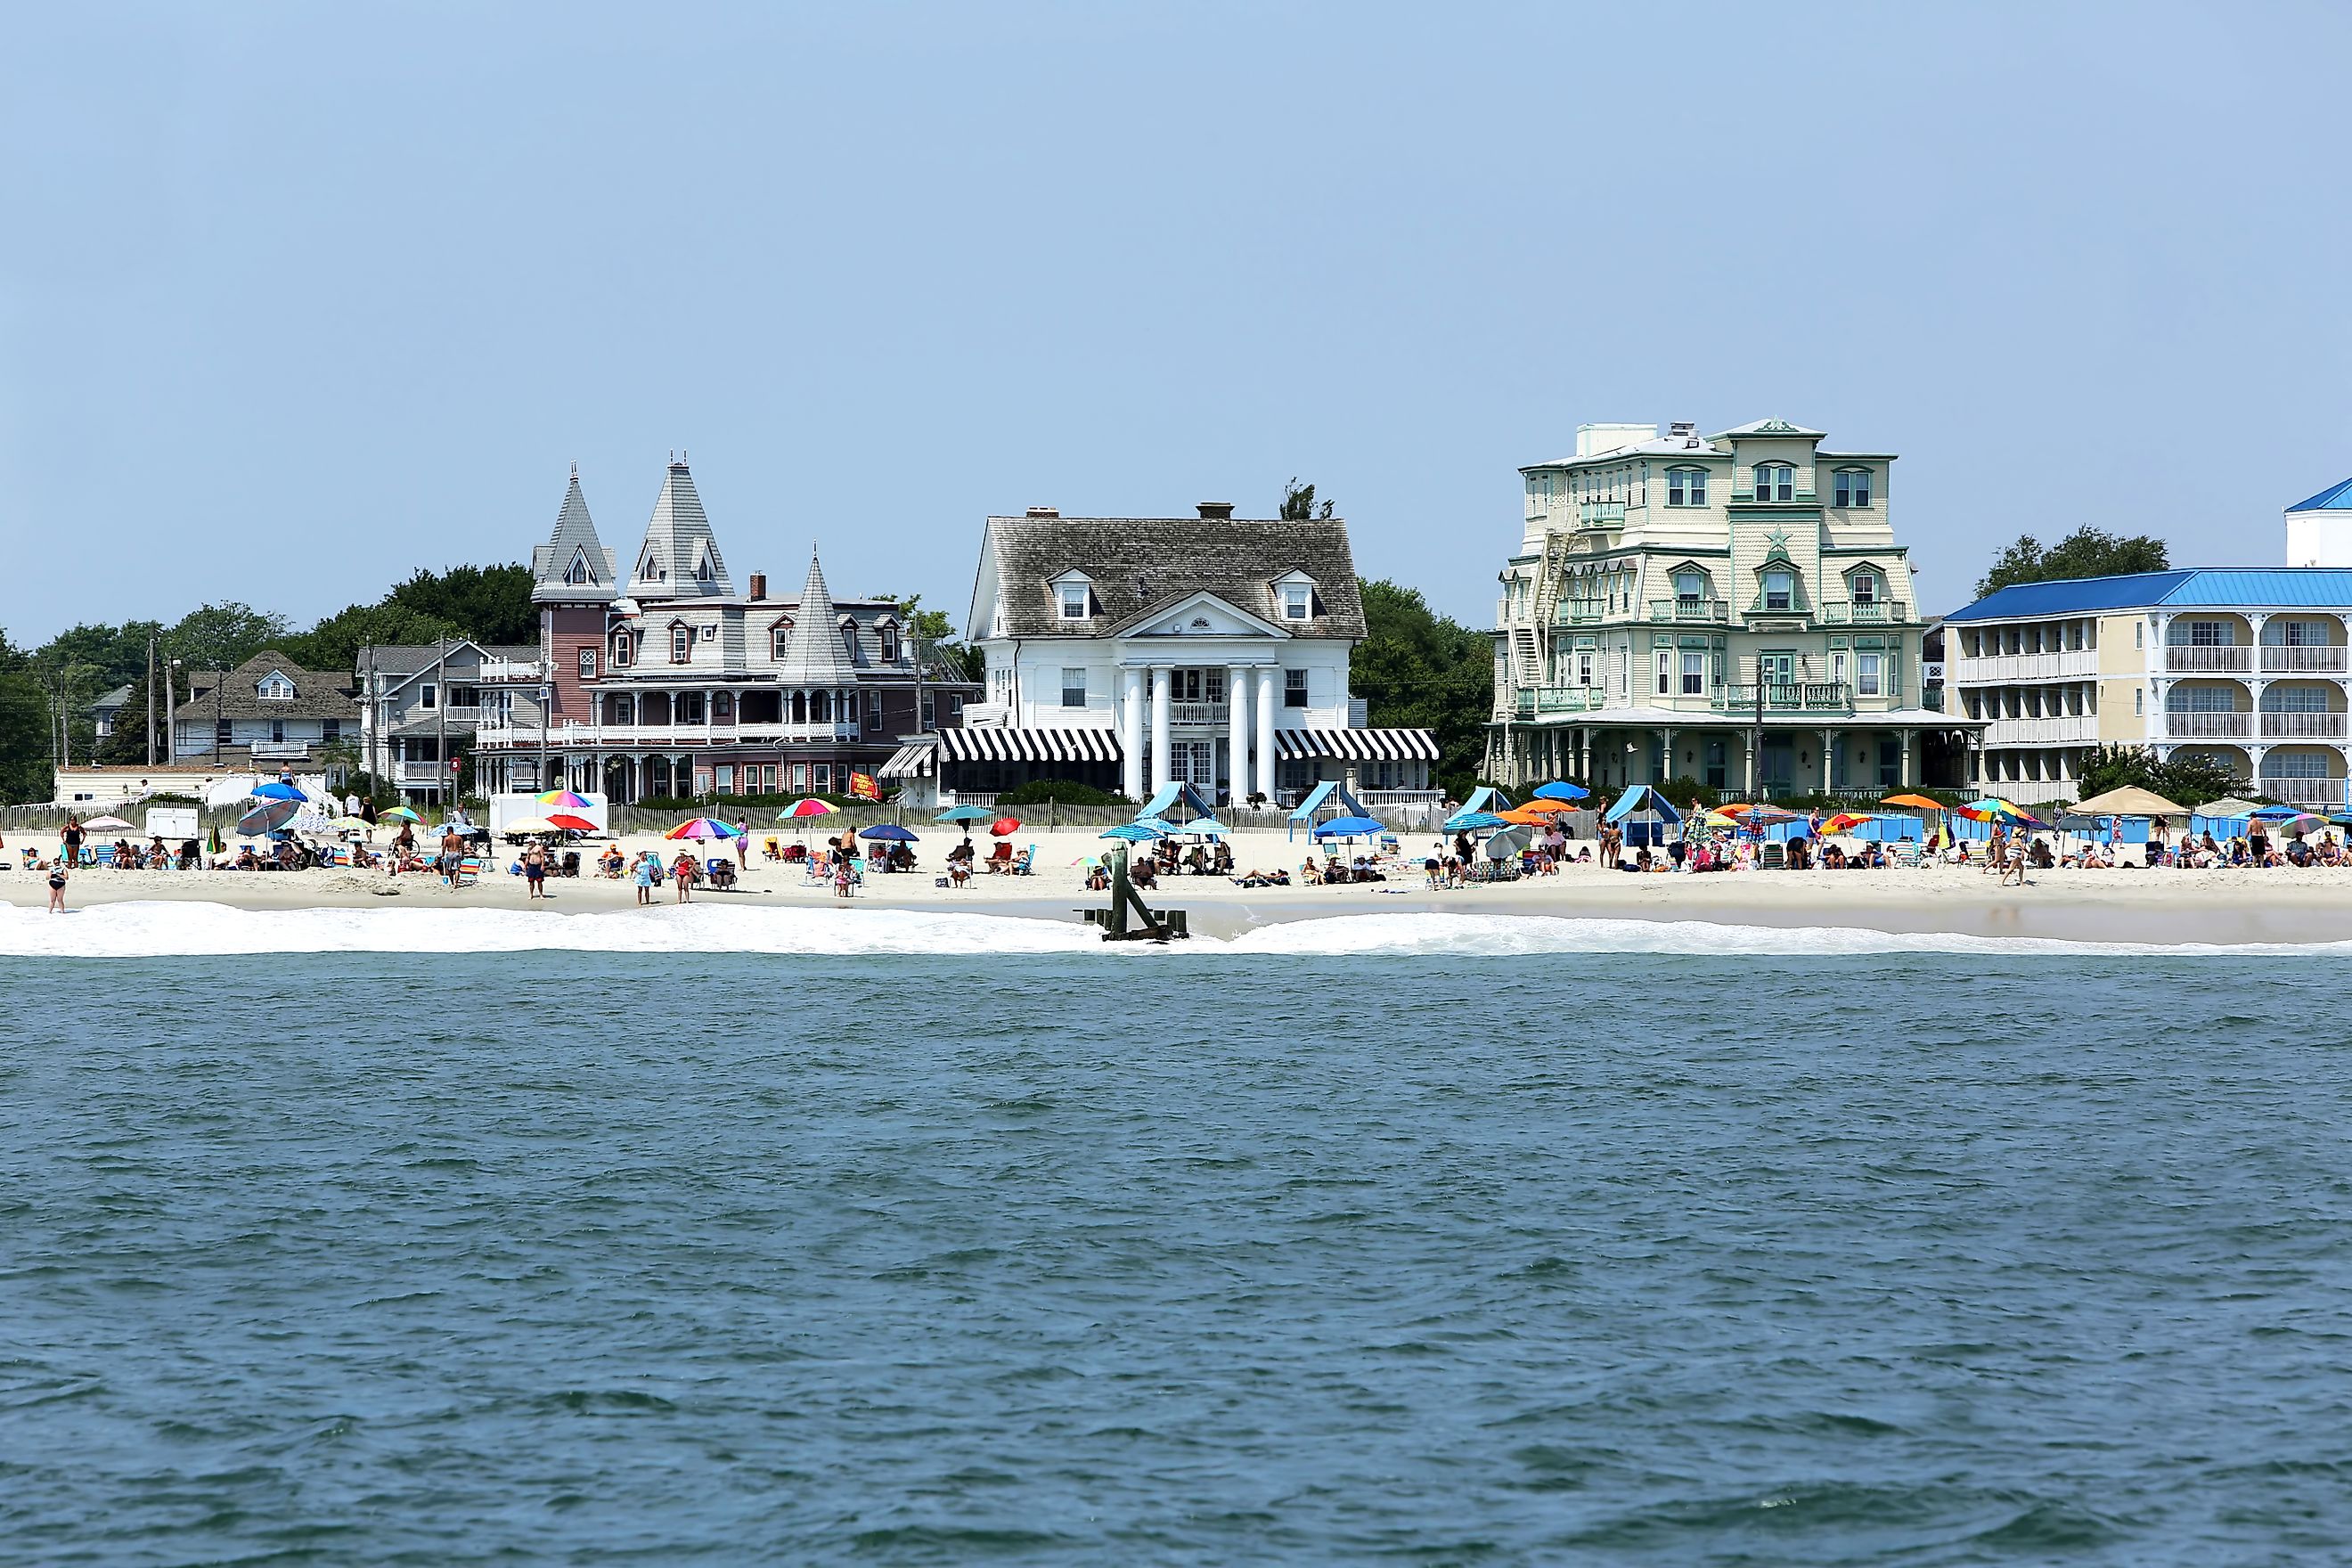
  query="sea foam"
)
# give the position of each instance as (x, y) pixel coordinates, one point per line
(176, 928)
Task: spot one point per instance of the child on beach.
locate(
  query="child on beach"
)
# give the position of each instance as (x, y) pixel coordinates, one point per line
(644, 877)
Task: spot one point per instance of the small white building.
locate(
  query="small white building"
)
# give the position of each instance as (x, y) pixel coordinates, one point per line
(1130, 653)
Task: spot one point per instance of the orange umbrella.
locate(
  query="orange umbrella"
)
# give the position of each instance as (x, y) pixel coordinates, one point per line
(1918, 802)
(1734, 808)
(1845, 822)
(1540, 809)
(1525, 816)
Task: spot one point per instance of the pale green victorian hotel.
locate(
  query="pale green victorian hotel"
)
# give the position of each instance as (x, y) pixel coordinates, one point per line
(1732, 609)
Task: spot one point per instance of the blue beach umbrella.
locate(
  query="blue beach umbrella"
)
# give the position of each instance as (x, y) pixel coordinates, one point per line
(1472, 821)
(1135, 833)
(889, 832)
(1561, 792)
(962, 813)
(277, 791)
(1349, 828)
(1208, 824)
(269, 817)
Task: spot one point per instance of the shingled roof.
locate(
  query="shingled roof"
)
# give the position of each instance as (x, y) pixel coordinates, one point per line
(574, 543)
(814, 653)
(678, 545)
(318, 693)
(1137, 564)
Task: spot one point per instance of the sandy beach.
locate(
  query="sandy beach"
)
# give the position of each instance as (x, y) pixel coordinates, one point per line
(2134, 905)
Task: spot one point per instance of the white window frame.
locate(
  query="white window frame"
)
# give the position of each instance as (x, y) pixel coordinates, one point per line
(1075, 599)
(1775, 481)
(1297, 601)
(1071, 686)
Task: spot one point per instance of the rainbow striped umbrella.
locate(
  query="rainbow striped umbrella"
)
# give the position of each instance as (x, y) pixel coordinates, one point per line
(564, 798)
(703, 827)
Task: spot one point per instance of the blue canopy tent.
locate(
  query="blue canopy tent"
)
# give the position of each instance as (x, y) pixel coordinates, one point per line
(1646, 814)
(1486, 798)
(1330, 797)
(1169, 797)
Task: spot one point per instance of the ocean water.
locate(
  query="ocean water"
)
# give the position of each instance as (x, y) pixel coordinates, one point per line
(931, 1240)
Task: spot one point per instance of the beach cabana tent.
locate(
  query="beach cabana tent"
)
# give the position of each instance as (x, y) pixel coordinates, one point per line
(1486, 798)
(1645, 813)
(1169, 797)
(1334, 798)
(2128, 801)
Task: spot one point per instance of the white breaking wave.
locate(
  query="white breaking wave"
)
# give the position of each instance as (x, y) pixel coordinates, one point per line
(180, 929)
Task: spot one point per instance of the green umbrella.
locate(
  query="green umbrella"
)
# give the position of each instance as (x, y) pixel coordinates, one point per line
(967, 814)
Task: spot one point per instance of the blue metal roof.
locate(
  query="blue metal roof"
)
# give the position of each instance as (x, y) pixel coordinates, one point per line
(2073, 595)
(2255, 586)
(2335, 498)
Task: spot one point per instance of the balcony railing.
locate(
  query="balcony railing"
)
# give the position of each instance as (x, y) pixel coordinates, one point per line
(2303, 726)
(2208, 726)
(2062, 729)
(2226, 658)
(666, 736)
(2007, 666)
(2318, 658)
(2304, 792)
(1866, 613)
(1599, 513)
(1197, 713)
(1561, 700)
(1796, 606)
(279, 751)
(1681, 609)
(1788, 697)
(422, 775)
(1580, 612)
(512, 669)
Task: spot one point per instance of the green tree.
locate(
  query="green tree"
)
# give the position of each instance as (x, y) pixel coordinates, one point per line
(1298, 502)
(487, 604)
(2186, 779)
(24, 729)
(220, 636)
(335, 643)
(2086, 553)
(932, 635)
(1418, 669)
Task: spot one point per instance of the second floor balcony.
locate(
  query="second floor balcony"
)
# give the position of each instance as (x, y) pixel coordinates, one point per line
(1687, 607)
(1544, 700)
(2223, 658)
(1866, 613)
(1787, 697)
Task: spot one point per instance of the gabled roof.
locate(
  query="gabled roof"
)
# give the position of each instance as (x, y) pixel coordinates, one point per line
(574, 540)
(813, 654)
(2251, 587)
(1770, 428)
(2335, 498)
(678, 541)
(2072, 595)
(318, 693)
(1139, 564)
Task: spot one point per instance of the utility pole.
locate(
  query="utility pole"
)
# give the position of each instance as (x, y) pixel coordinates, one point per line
(217, 684)
(151, 699)
(441, 715)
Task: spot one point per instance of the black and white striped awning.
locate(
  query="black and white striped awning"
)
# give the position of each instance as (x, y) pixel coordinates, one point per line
(909, 762)
(1358, 746)
(1005, 743)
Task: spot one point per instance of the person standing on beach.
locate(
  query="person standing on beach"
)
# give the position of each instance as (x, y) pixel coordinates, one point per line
(57, 888)
(534, 868)
(72, 839)
(452, 847)
(684, 871)
(644, 877)
(743, 843)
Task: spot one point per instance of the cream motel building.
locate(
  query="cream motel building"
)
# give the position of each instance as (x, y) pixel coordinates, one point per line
(2247, 666)
(1731, 608)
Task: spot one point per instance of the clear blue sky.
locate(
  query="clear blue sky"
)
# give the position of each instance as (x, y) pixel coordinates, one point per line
(296, 300)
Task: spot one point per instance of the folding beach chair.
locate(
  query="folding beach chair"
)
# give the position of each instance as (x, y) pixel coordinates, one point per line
(1772, 856)
(470, 870)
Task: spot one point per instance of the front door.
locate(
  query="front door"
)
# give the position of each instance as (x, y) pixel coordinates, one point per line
(1193, 763)
(1777, 668)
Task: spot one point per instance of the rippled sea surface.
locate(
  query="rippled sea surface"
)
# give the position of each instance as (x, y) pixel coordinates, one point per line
(1580, 1258)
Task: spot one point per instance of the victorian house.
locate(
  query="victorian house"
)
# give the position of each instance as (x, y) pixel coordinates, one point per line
(1732, 609)
(661, 678)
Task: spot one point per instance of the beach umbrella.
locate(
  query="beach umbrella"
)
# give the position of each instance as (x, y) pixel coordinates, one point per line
(1992, 808)
(2129, 801)
(1473, 821)
(570, 822)
(277, 791)
(703, 827)
(106, 823)
(2295, 821)
(268, 816)
(806, 806)
(1005, 828)
(1208, 827)
(564, 798)
(963, 814)
(1561, 792)
(352, 823)
(533, 825)
(1916, 802)
(1349, 827)
(1135, 833)
(1845, 822)
(1521, 817)
(2260, 814)
(1548, 806)
(889, 832)
(1718, 820)
(402, 812)
(1507, 843)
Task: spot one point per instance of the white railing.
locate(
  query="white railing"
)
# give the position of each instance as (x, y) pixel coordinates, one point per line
(1197, 713)
(2227, 659)
(422, 775)
(2316, 659)
(527, 736)
(279, 751)
(2031, 792)
(2315, 726)
(2302, 792)
(453, 715)
(1993, 669)
(2071, 728)
(2206, 726)
(512, 669)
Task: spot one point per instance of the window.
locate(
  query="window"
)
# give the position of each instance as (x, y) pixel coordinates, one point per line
(277, 730)
(587, 663)
(1685, 486)
(1584, 667)
(780, 637)
(621, 651)
(1850, 486)
(1074, 686)
(849, 639)
(2202, 700)
(275, 688)
(331, 730)
(2138, 702)
(1694, 674)
(428, 696)
(890, 644)
(1297, 601)
(1776, 481)
(2204, 634)
(681, 643)
(873, 716)
(1780, 590)
(1294, 689)
(1865, 587)
(1867, 666)
(1665, 673)
(1073, 601)
(1689, 588)
(577, 573)
(221, 732)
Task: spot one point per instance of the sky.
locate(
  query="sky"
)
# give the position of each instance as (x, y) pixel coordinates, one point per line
(295, 301)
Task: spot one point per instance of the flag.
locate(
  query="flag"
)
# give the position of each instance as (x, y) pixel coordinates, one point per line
(863, 787)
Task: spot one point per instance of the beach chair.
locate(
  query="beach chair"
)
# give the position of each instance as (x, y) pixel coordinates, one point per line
(1771, 856)
(470, 870)
(1905, 852)
(721, 871)
(102, 855)
(1024, 865)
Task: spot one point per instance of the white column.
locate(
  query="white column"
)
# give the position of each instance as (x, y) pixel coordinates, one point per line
(1266, 697)
(1237, 771)
(1131, 734)
(1160, 715)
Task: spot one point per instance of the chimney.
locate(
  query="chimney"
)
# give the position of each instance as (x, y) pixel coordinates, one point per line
(1045, 511)
(759, 586)
(1217, 510)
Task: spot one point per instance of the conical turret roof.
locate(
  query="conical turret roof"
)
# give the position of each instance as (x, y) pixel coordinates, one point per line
(573, 563)
(813, 654)
(680, 558)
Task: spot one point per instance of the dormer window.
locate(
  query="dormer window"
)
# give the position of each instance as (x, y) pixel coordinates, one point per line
(1074, 597)
(1690, 588)
(1850, 486)
(1776, 481)
(849, 638)
(704, 572)
(780, 637)
(275, 688)
(889, 642)
(1780, 590)
(1297, 601)
(1685, 486)
(681, 643)
(621, 650)
(577, 573)
(1864, 586)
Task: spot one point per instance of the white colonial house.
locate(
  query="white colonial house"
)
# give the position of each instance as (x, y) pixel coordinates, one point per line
(1131, 653)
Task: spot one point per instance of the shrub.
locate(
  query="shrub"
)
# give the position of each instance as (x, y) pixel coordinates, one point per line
(1065, 792)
